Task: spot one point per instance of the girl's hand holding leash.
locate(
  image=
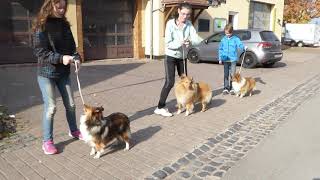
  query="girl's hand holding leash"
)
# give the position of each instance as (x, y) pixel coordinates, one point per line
(66, 59)
(186, 43)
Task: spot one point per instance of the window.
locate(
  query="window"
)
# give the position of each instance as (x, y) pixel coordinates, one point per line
(216, 37)
(203, 25)
(16, 21)
(259, 15)
(243, 35)
(268, 36)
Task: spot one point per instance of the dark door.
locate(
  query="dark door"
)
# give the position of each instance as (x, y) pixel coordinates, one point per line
(107, 26)
(15, 30)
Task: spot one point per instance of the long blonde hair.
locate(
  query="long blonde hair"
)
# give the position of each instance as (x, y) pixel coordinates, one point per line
(46, 11)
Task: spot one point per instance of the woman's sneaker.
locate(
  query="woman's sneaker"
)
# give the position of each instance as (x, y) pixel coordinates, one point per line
(163, 112)
(225, 92)
(76, 134)
(49, 148)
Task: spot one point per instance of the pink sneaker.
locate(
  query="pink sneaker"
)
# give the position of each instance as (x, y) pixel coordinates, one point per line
(49, 148)
(76, 134)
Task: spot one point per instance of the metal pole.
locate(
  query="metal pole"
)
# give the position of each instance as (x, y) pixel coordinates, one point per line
(151, 29)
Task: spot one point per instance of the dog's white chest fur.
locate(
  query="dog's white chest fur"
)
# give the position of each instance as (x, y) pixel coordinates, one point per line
(237, 86)
(84, 131)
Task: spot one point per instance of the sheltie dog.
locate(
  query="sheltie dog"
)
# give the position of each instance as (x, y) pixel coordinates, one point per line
(99, 131)
(188, 92)
(243, 85)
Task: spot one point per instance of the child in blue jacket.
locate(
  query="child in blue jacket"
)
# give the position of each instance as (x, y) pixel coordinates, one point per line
(228, 55)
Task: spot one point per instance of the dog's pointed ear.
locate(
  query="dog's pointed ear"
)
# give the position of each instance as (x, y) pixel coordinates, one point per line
(101, 108)
(98, 109)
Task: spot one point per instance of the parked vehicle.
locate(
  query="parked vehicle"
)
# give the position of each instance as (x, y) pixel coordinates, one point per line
(263, 48)
(302, 34)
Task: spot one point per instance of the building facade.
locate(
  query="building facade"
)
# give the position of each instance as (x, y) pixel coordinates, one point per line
(243, 14)
(107, 29)
(101, 28)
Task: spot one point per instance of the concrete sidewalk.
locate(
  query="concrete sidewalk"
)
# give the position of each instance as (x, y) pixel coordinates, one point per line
(291, 152)
(133, 87)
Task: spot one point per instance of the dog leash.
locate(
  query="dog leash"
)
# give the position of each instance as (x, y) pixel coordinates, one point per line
(244, 54)
(76, 62)
(185, 61)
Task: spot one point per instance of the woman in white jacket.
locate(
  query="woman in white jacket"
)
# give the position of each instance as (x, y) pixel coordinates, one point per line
(179, 34)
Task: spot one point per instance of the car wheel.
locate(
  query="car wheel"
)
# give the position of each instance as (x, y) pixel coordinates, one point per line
(268, 65)
(292, 43)
(300, 44)
(250, 60)
(193, 56)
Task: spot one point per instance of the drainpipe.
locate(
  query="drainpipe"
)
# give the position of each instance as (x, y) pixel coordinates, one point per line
(151, 29)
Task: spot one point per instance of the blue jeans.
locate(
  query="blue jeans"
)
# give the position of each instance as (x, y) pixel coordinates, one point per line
(47, 87)
(229, 71)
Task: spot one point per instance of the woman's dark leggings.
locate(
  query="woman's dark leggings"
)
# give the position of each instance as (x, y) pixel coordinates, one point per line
(169, 64)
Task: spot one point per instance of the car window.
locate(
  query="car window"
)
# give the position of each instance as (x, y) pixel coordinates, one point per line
(243, 35)
(268, 36)
(216, 38)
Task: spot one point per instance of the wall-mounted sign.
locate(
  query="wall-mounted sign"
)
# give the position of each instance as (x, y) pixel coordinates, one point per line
(219, 24)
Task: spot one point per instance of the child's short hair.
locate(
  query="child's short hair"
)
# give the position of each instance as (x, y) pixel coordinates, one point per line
(228, 28)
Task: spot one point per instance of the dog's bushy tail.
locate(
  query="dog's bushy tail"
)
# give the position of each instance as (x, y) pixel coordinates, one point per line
(208, 97)
(125, 125)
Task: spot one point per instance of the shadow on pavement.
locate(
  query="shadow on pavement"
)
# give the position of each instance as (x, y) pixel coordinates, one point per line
(22, 91)
(276, 65)
(216, 103)
(255, 92)
(136, 138)
(258, 79)
(61, 145)
(171, 105)
(124, 86)
(143, 135)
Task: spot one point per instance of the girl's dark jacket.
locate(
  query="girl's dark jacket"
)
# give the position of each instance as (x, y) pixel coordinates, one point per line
(50, 55)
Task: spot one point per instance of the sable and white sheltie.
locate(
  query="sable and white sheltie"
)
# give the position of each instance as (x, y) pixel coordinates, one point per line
(99, 131)
(188, 92)
(243, 85)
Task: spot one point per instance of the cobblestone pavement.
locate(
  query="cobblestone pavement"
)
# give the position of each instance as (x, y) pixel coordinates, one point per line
(215, 157)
